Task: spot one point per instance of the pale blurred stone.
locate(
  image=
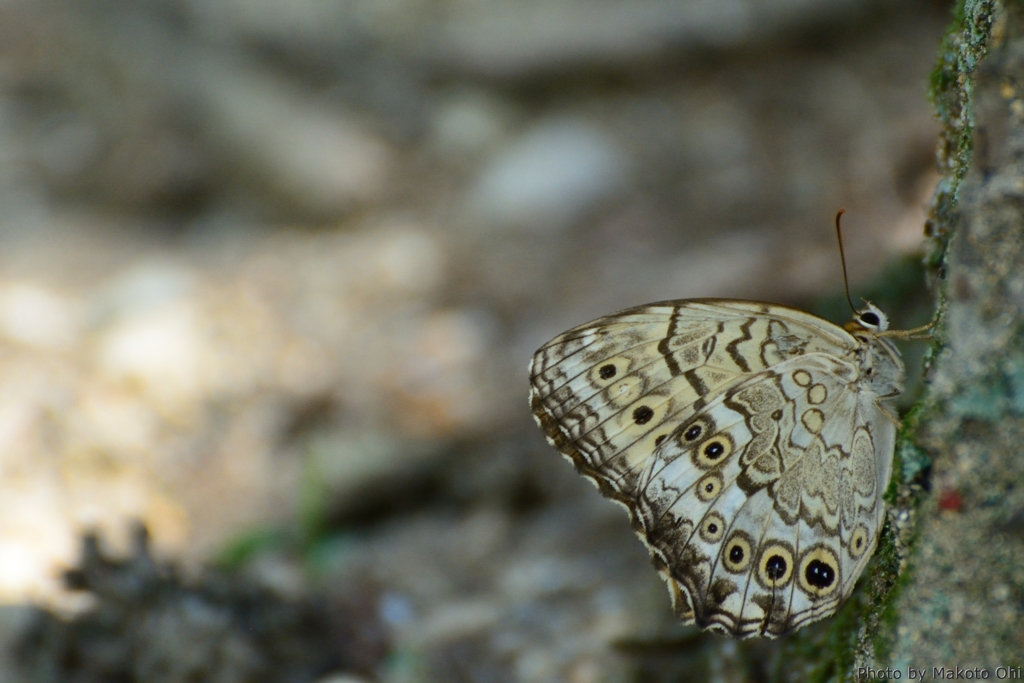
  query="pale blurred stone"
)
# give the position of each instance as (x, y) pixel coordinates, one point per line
(342, 678)
(115, 421)
(408, 259)
(140, 288)
(515, 38)
(161, 349)
(172, 403)
(342, 463)
(35, 539)
(319, 158)
(538, 577)
(396, 609)
(457, 619)
(34, 316)
(70, 146)
(469, 123)
(435, 375)
(732, 265)
(550, 176)
(20, 567)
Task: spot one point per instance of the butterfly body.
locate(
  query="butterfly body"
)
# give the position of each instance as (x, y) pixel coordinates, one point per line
(750, 443)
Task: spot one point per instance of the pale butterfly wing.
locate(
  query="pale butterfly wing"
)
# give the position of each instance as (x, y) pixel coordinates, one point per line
(761, 507)
(747, 442)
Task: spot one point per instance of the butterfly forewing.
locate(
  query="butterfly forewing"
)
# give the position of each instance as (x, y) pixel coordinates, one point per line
(743, 439)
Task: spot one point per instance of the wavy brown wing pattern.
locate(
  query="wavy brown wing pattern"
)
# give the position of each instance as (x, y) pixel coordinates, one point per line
(745, 441)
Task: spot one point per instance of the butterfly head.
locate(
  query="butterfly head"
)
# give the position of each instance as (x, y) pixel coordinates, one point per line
(880, 364)
(869, 319)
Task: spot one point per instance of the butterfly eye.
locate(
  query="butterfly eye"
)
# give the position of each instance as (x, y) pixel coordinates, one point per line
(870, 318)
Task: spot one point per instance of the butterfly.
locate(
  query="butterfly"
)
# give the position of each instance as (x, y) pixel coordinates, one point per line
(750, 442)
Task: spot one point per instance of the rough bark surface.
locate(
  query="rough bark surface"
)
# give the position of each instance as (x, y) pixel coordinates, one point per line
(963, 604)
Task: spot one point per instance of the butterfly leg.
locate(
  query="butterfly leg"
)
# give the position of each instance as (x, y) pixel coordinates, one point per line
(914, 333)
(885, 410)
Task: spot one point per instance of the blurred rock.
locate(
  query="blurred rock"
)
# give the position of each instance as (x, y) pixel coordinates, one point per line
(36, 317)
(519, 39)
(550, 176)
(317, 357)
(81, 127)
(146, 624)
(467, 124)
(316, 156)
(342, 678)
(489, 595)
(139, 119)
(516, 38)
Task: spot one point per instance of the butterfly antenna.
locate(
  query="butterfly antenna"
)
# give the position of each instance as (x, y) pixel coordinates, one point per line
(842, 258)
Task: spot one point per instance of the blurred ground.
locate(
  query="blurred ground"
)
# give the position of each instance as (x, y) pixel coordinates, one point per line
(271, 272)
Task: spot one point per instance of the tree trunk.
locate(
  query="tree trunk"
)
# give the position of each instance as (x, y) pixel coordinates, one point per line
(960, 599)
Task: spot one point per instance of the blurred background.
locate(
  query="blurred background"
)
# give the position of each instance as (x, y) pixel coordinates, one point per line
(271, 272)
